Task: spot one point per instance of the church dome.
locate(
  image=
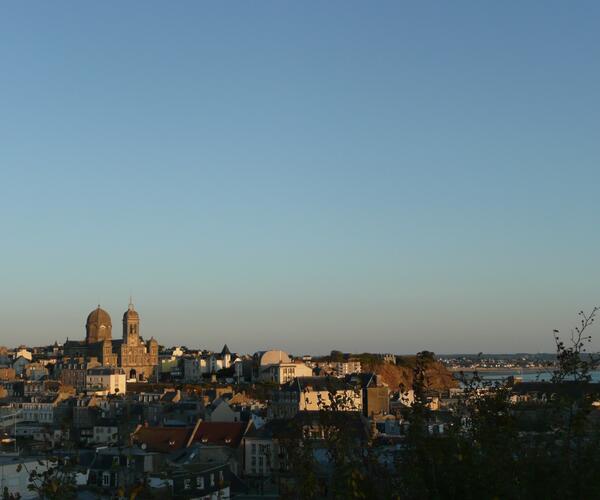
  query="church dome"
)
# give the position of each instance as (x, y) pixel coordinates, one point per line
(98, 317)
(98, 326)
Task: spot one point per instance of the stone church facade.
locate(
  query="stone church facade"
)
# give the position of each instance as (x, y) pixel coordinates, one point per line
(138, 359)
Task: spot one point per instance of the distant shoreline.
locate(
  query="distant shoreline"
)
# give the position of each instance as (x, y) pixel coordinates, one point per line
(502, 370)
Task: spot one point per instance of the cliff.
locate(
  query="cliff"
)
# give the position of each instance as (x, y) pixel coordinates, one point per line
(437, 376)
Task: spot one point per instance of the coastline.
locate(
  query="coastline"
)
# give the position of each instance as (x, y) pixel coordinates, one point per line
(502, 370)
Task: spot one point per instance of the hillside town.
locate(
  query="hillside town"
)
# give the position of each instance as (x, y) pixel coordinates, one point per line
(130, 415)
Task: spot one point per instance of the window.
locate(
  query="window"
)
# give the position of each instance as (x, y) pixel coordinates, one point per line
(212, 479)
(187, 484)
(106, 479)
(253, 448)
(200, 482)
(221, 476)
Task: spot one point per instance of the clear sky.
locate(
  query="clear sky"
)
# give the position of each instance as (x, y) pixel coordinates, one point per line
(362, 176)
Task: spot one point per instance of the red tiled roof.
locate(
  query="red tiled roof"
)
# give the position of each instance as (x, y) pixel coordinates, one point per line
(163, 439)
(220, 433)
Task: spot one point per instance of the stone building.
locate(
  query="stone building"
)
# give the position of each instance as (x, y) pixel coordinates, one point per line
(137, 358)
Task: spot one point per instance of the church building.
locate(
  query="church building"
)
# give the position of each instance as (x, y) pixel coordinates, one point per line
(138, 359)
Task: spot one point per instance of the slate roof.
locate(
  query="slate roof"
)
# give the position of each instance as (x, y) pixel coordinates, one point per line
(220, 433)
(163, 439)
(170, 439)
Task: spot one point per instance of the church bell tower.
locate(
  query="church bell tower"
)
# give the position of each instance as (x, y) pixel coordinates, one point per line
(131, 326)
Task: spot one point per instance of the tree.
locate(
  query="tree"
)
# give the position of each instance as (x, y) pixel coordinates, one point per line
(55, 480)
(496, 447)
(336, 356)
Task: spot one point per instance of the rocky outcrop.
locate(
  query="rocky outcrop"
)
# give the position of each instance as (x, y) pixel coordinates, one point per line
(437, 376)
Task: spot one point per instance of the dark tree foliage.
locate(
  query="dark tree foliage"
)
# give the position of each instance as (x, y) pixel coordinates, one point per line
(336, 356)
(497, 447)
(54, 479)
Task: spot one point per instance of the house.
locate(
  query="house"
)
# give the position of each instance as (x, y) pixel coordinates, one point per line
(7, 372)
(242, 399)
(35, 371)
(24, 352)
(388, 358)
(277, 367)
(261, 449)
(375, 394)
(314, 394)
(39, 409)
(220, 411)
(401, 401)
(85, 411)
(281, 373)
(170, 362)
(106, 380)
(114, 468)
(19, 364)
(75, 374)
(186, 412)
(187, 481)
(105, 432)
(347, 367)
(194, 368)
(33, 387)
(200, 365)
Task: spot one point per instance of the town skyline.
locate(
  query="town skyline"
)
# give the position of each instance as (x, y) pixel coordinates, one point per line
(214, 342)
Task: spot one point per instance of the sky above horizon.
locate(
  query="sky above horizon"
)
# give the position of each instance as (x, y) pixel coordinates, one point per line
(383, 177)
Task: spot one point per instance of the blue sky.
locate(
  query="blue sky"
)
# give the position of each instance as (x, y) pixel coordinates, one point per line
(389, 176)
